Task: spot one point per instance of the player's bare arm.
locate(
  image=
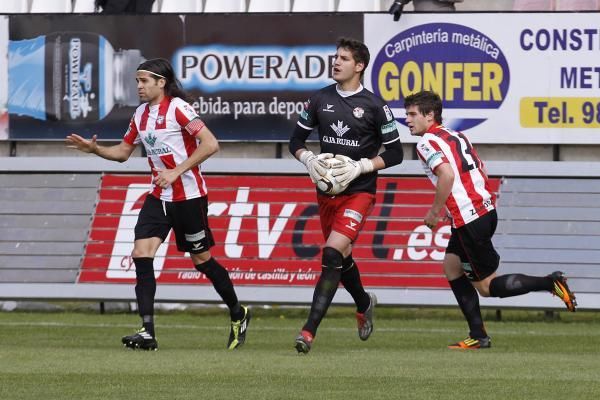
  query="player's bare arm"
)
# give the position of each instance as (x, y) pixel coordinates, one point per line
(442, 191)
(120, 152)
(209, 145)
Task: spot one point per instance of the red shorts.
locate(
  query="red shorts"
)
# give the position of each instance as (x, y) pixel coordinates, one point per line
(345, 214)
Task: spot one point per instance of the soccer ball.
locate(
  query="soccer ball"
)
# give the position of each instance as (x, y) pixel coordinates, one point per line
(328, 183)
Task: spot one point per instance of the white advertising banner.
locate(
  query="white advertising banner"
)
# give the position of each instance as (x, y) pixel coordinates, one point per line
(503, 78)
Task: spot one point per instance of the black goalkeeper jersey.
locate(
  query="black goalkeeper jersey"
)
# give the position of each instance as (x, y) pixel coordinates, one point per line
(355, 126)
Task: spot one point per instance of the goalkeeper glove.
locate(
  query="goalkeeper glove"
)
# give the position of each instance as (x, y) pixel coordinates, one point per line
(315, 165)
(351, 169)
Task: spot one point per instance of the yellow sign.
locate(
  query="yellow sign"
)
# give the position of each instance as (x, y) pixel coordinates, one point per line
(560, 112)
(477, 81)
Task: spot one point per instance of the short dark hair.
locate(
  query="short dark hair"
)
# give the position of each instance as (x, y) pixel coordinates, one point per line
(359, 51)
(427, 102)
(161, 68)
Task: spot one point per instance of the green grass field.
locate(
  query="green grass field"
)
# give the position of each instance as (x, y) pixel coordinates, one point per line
(77, 355)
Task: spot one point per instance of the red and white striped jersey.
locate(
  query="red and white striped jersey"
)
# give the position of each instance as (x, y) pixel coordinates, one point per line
(162, 130)
(471, 195)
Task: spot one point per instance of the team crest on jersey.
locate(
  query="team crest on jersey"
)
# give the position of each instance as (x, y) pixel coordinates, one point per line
(358, 112)
(306, 104)
(160, 119)
(388, 113)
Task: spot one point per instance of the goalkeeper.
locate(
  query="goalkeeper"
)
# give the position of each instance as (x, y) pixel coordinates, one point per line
(352, 124)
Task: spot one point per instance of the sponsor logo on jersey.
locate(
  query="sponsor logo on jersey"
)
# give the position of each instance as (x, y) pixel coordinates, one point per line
(340, 129)
(158, 152)
(388, 113)
(304, 115)
(355, 215)
(387, 128)
(150, 139)
(329, 108)
(341, 141)
(358, 112)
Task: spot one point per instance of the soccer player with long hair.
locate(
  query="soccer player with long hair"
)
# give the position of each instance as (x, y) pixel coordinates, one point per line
(176, 141)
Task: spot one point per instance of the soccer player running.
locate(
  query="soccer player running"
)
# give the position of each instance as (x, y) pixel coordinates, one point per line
(177, 142)
(352, 124)
(461, 185)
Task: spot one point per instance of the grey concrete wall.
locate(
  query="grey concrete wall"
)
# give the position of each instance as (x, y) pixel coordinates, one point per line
(488, 152)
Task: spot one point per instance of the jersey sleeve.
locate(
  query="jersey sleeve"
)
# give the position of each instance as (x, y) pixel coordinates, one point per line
(308, 117)
(386, 124)
(430, 153)
(187, 118)
(132, 135)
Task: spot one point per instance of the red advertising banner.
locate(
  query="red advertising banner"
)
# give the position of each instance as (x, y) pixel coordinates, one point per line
(267, 232)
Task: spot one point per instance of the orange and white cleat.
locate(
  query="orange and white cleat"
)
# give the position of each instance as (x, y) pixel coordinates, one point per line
(562, 291)
(472, 344)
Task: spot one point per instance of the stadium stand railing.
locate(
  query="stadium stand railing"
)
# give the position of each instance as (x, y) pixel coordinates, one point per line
(258, 6)
(549, 220)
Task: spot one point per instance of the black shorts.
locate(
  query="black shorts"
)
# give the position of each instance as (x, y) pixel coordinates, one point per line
(473, 244)
(187, 218)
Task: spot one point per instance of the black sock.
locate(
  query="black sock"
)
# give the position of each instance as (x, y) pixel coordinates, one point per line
(223, 285)
(325, 289)
(517, 284)
(145, 288)
(468, 301)
(324, 293)
(351, 281)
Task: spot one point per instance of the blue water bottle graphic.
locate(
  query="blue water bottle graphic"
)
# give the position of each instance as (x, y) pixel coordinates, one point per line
(70, 77)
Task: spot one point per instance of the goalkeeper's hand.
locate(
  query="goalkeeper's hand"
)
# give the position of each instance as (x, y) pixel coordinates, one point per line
(315, 165)
(351, 169)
